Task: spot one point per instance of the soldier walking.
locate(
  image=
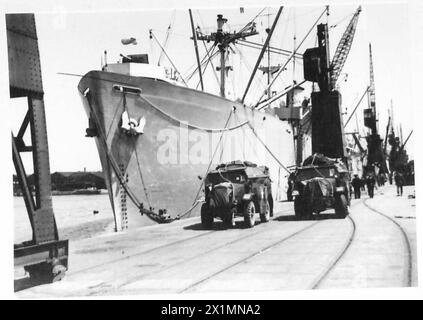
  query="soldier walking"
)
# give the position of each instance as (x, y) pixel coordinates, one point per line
(399, 182)
(370, 182)
(356, 183)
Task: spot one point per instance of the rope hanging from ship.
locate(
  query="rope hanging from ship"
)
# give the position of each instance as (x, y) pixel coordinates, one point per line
(149, 212)
(196, 200)
(267, 148)
(218, 130)
(190, 126)
(111, 160)
(160, 218)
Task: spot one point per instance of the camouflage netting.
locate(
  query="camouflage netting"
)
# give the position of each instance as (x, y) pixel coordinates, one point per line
(236, 164)
(220, 196)
(318, 159)
(319, 187)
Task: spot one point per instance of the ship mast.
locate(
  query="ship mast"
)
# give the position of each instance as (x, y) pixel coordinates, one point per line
(268, 55)
(194, 36)
(223, 39)
(222, 49)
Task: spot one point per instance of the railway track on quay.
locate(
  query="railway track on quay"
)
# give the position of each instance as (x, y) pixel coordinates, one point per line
(408, 270)
(104, 288)
(257, 230)
(321, 252)
(244, 260)
(254, 254)
(154, 249)
(316, 282)
(319, 280)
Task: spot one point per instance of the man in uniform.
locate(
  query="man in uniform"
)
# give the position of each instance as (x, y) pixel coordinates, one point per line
(399, 182)
(370, 182)
(356, 183)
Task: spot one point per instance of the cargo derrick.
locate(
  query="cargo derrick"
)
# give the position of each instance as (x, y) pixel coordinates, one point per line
(327, 125)
(375, 152)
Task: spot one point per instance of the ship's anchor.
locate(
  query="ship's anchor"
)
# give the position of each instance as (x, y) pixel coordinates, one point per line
(131, 126)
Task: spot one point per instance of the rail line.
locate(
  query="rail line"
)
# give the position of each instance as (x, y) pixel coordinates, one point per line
(166, 245)
(249, 257)
(138, 253)
(249, 235)
(319, 280)
(315, 283)
(409, 264)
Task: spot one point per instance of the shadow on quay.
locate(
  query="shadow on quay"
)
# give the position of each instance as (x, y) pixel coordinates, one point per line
(27, 282)
(220, 226)
(316, 217)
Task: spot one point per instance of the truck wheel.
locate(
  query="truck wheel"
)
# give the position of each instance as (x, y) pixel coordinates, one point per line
(270, 199)
(289, 196)
(298, 208)
(230, 219)
(341, 206)
(265, 216)
(302, 208)
(308, 210)
(249, 214)
(206, 217)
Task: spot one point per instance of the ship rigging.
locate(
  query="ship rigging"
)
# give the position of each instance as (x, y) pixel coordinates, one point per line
(142, 93)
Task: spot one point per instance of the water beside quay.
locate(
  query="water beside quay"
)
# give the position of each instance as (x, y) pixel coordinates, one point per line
(74, 215)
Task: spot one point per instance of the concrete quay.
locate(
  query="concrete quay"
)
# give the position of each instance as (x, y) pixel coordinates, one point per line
(374, 247)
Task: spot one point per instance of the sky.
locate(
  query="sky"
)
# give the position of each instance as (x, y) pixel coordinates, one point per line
(72, 41)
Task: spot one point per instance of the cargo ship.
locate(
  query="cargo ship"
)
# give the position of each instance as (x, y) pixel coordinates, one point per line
(157, 138)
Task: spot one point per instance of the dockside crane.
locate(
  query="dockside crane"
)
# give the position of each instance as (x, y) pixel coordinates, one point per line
(327, 133)
(343, 49)
(375, 152)
(327, 124)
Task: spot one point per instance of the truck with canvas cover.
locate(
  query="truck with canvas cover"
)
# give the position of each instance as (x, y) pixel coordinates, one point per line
(321, 183)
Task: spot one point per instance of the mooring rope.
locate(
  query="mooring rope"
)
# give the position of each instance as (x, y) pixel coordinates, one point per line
(267, 148)
(112, 122)
(112, 160)
(153, 216)
(141, 175)
(212, 157)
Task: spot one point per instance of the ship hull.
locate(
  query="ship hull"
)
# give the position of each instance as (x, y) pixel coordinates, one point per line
(186, 132)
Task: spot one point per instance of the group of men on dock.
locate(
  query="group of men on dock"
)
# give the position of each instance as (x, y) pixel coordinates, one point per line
(370, 181)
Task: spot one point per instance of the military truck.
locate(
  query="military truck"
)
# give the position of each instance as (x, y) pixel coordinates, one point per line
(321, 183)
(237, 188)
